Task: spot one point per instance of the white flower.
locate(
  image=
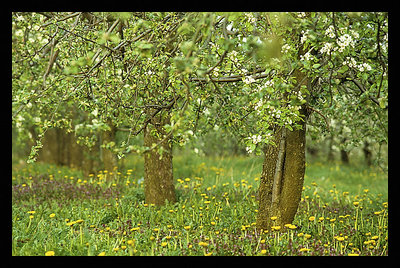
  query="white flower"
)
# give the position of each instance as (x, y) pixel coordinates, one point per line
(250, 17)
(304, 36)
(330, 32)
(301, 14)
(258, 105)
(248, 80)
(306, 56)
(351, 62)
(256, 139)
(248, 150)
(344, 41)
(326, 48)
(285, 48)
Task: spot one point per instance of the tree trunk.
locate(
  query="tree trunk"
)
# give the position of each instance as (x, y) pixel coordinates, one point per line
(282, 179)
(331, 156)
(367, 153)
(282, 176)
(158, 172)
(107, 156)
(344, 155)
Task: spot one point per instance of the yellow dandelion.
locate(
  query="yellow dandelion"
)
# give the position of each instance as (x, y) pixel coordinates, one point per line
(52, 215)
(102, 254)
(203, 244)
(49, 253)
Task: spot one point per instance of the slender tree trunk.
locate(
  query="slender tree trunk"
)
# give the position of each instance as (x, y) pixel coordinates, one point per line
(344, 155)
(367, 153)
(331, 156)
(158, 172)
(108, 157)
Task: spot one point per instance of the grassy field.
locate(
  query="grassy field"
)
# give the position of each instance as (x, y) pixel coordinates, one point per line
(57, 211)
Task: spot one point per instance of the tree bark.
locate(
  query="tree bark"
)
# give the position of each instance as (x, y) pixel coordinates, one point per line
(158, 172)
(367, 154)
(282, 176)
(108, 157)
(282, 179)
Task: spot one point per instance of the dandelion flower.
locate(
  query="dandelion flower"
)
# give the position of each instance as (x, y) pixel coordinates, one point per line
(52, 215)
(274, 218)
(101, 253)
(264, 251)
(311, 218)
(163, 244)
(49, 253)
(339, 238)
(352, 254)
(203, 244)
(304, 249)
(275, 228)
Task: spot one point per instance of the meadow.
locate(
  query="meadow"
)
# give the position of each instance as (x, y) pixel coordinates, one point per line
(58, 211)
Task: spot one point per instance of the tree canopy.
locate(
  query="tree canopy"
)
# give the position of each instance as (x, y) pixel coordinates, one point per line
(86, 71)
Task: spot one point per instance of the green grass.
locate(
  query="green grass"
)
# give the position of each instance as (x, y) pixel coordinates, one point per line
(215, 213)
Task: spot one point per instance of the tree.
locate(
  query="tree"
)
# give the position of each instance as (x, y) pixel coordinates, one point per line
(330, 65)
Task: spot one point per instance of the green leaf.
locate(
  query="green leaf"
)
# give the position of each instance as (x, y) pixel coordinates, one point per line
(315, 66)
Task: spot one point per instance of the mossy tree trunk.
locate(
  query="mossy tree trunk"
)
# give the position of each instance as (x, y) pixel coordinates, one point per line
(158, 171)
(282, 177)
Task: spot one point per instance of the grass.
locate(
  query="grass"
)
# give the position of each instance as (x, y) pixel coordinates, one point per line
(56, 210)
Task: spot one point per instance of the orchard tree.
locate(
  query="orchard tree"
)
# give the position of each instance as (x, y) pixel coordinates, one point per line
(292, 68)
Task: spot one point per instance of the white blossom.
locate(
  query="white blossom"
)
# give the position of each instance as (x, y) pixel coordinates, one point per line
(301, 14)
(256, 139)
(248, 79)
(351, 62)
(250, 17)
(285, 48)
(248, 150)
(344, 41)
(306, 56)
(326, 48)
(304, 36)
(330, 32)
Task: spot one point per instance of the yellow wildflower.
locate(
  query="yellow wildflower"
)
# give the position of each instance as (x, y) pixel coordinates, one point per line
(49, 253)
